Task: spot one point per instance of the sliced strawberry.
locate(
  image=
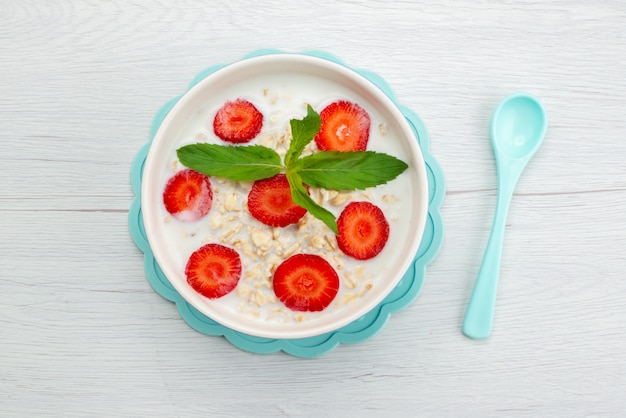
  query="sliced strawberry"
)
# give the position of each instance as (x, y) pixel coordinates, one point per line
(213, 270)
(238, 121)
(345, 127)
(363, 230)
(188, 195)
(306, 282)
(270, 202)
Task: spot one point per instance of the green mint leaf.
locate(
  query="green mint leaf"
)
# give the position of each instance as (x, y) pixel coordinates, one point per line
(301, 198)
(349, 170)
(302, 132)
(239, 163)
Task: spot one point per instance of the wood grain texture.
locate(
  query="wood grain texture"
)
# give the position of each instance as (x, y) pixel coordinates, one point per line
(83, 334)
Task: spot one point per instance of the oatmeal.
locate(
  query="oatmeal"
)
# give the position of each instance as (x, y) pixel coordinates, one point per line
(262, 248)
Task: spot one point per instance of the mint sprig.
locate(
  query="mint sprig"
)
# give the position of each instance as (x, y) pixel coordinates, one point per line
(326, 169)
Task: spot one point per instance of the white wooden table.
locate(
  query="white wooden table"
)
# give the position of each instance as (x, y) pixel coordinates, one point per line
(83, 334)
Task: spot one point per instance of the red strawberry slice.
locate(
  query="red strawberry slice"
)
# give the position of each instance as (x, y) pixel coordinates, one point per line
(238, 121)
(188, 195)
(363, 230)
(345, 127)
(305, 282)
(213, 270)
(270, 202)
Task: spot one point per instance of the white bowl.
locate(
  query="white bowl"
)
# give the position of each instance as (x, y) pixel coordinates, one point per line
(281, 84)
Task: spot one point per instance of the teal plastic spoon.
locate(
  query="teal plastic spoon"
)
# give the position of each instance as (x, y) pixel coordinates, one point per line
(517, 129)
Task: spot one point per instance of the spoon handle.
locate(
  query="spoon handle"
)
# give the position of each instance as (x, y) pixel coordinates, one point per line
(479, 315)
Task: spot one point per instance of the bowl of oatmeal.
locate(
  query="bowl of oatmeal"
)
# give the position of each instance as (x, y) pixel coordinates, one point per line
(273, 239)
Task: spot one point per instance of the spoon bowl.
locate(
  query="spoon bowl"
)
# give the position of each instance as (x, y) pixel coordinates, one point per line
(517, 130)
(518, 126)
